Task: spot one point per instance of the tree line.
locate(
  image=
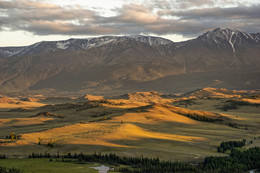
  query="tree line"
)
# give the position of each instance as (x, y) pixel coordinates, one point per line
(237, 161)
(136, 164)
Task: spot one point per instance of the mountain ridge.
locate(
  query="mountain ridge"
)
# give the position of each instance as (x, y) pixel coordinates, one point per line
(80, 44)
(115, 63)
(88, 43)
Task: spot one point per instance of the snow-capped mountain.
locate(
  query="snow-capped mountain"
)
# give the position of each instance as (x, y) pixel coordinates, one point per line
(228, 39)
(115, 63)
(216, 39)
(78, 44)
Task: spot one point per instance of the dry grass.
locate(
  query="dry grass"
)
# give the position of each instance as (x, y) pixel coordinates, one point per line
(6, 102)
(151, 96)
(184, 111)
(93, 97)
(159, 130)
(253, 101)
(220, 93)
(122, 103)
(98, 134)
(157, 113)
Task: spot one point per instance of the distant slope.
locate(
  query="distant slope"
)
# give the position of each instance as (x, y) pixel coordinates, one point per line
(221, 93)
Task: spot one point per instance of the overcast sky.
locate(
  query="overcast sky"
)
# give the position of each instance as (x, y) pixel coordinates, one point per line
(23, 22)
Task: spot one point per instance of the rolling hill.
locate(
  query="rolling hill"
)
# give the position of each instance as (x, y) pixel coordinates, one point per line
(149, 124)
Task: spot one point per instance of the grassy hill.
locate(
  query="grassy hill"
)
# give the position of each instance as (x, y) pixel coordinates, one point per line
(150, 124)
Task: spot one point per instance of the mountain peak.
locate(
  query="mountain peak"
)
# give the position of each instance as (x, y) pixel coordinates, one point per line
(223, 30)
(226, 38)
(218, 32)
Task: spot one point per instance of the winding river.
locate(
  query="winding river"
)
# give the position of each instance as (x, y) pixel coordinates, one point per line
(102, 169)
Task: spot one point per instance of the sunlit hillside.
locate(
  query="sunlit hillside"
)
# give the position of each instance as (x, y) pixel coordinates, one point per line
(151, 124)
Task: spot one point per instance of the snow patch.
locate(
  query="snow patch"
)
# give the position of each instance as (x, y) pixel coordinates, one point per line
(152, 41)
(97, 42)
(9, 53)
(62, 45)
(230, 41)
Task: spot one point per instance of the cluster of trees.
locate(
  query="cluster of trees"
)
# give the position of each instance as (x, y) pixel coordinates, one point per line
(45, 155)
(233, 125)
(201, 118)
(228, 106)
(9, 170)
(186, 103)
(87, 105)
(2, 156)
(51, 143)
(242, 103)
(78, 106)
(140, 109)
(12, 136)
(102, 114)
(108, 102)
(224, 146)
(48, 114)
(101, 119)
(238, 161)
(234, 104)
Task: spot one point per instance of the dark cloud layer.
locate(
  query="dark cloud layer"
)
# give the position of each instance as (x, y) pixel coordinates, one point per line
(158, 17)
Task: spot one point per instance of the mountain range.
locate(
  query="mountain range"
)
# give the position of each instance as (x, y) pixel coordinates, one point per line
(112, 64)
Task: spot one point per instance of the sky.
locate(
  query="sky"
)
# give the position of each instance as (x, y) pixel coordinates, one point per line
(24, 22)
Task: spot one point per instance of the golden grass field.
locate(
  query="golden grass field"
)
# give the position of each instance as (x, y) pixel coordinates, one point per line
(143, 123)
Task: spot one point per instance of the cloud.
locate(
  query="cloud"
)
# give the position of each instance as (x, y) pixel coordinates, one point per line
(16, 4)
(135, 13)
(185, 4)
(186, 17)
(242, 12)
